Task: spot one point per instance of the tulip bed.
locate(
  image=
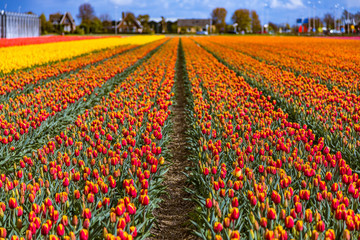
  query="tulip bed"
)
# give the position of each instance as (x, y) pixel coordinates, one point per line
(19, 57)
(22, 79)
(84, 141)
(101, 176)
(329, 62)
(257, 174)
(47, 107)
(332, 114)
(40, 40)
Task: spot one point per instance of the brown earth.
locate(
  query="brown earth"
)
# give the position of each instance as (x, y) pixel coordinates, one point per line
(173, 214)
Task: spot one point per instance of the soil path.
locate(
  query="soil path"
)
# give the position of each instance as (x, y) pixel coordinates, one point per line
(173, 213)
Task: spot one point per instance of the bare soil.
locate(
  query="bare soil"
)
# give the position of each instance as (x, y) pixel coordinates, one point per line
(173, 214)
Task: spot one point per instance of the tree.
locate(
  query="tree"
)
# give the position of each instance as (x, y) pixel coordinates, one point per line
(163, 25)
(273, 27)
(43, 23)
(242, 18)
(329, 20)
(96, 25)
(106, 22)
(46, 26)
(218, 16)
(144, 20)
(255, 22)
(86, 13)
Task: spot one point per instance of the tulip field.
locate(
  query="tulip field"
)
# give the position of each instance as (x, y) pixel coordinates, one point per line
(272, 137)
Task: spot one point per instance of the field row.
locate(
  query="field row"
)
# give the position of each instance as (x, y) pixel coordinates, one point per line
(20, 57)
(259, 174)
(332, 114)
(84, 142)
(101, 174)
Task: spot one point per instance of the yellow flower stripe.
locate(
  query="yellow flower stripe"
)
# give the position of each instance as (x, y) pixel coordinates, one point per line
(18, 57)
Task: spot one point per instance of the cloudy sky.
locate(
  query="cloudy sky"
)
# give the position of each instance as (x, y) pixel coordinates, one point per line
(278, 11)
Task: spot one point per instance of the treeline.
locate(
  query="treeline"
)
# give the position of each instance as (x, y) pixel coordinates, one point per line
(90, 23)
(243, 20)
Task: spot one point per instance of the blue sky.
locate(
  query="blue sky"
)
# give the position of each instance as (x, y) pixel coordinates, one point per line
(278, 11)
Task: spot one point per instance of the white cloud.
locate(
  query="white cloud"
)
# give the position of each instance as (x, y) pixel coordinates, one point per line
(121, 2)
(291, 4)
(352, 3)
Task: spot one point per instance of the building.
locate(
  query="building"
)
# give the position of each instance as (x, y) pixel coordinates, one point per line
(63, 22)
(195, 25)
(19, 25)
(129, 24)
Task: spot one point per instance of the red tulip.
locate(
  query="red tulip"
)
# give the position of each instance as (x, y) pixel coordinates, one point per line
(289, 222)
(84, 234)
(299, 225)
(320, 226)
(60, 230)
(234, 213)
(45, 229)
(218, 227)
(12, 203)
(271, 214)
(86, 213)
(3, 232)
(263, 222)
(208, 203)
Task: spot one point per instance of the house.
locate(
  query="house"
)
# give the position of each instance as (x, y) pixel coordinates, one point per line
(64, 21)
(195, 25)
(19, 25)
(129, 24)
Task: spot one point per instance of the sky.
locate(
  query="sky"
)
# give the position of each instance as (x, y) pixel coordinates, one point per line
(277, 11)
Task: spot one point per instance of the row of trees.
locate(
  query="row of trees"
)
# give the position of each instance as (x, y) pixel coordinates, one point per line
(243, 19)
(248, 21)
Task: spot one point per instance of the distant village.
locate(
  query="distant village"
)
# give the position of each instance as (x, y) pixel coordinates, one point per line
(15, 25)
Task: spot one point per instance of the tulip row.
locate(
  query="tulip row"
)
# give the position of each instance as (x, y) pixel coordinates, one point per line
(102, 176)
(341, 71)
(4, 42)
(30, 117)
(19, 57)
(331, 114)
(258, 175)
(21, 79)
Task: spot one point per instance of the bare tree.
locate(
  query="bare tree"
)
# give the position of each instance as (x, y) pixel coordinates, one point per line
(86, 13)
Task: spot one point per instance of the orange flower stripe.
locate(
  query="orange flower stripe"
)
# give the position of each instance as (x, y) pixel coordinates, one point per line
(99, 176)
(332, 113)
(257, 173)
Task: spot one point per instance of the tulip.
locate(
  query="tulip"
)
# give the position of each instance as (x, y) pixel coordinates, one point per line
(45, 229)
(86, 223)
(12, 203)
(208, 203)
(226, 222)
(299, 225)
(269, 235)
(289, 222)
(84, 234)
(2, 232)
(60, 230)
(75, 221)
(235, 235)
(86, 213)
(131, 209)
(218, 227)
(271, 214)
(263, 222)
(234, 213)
